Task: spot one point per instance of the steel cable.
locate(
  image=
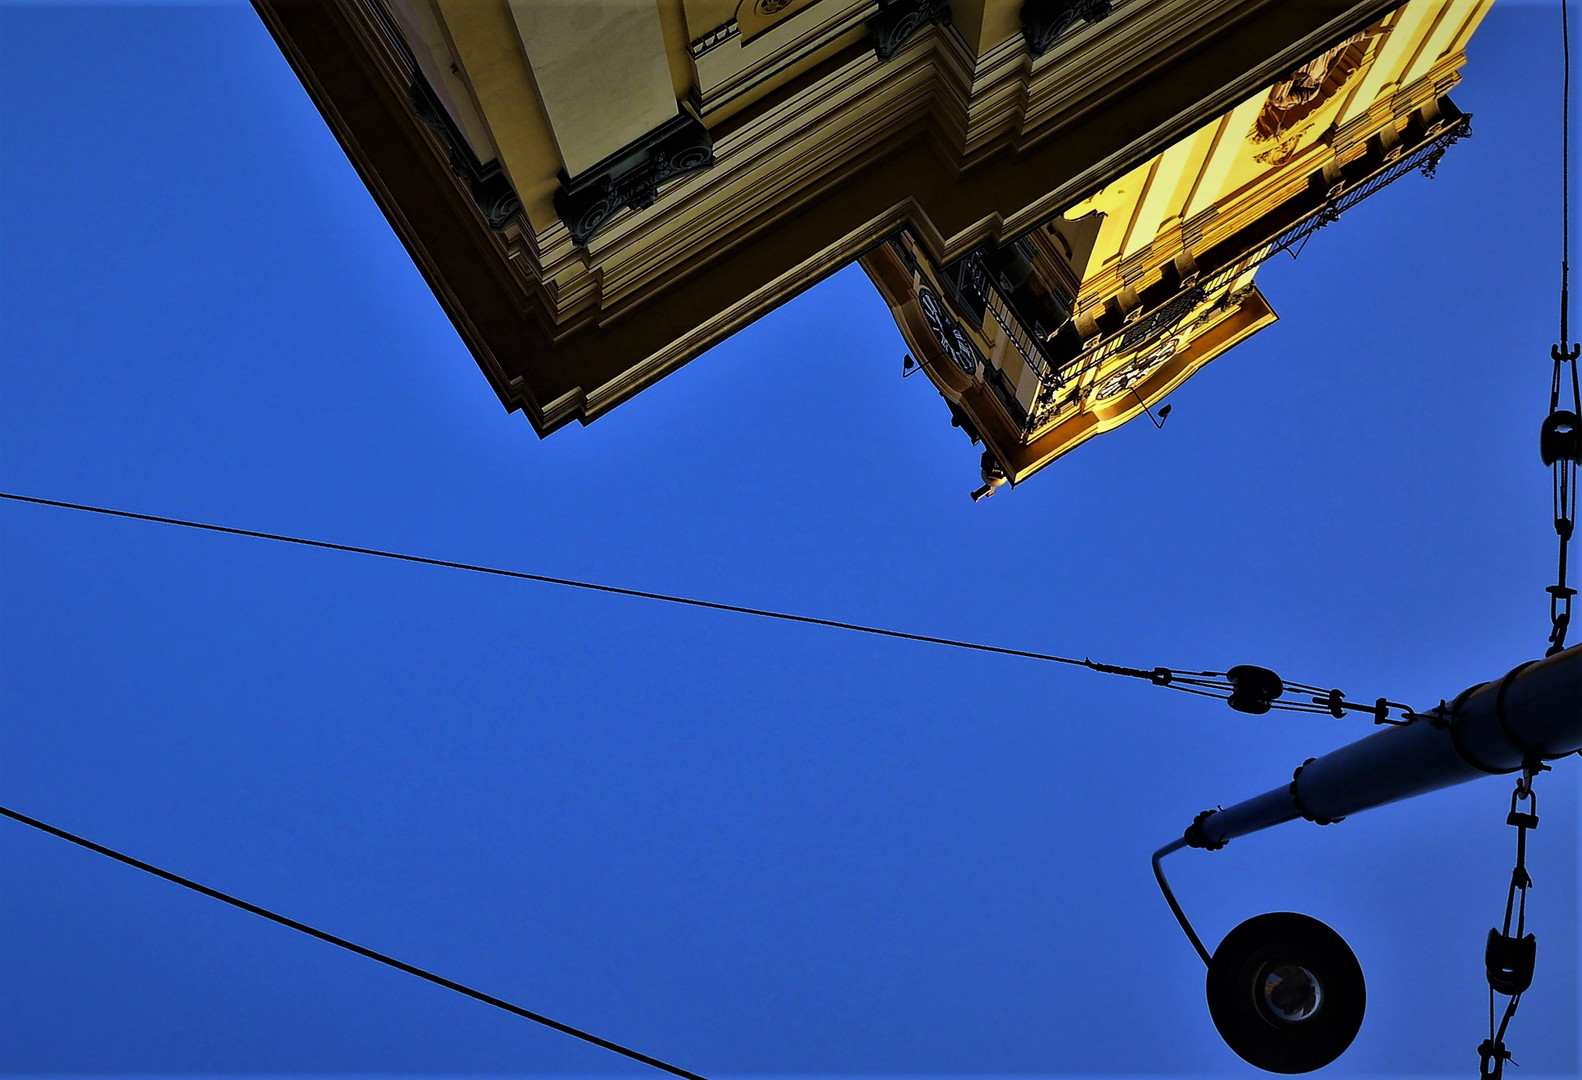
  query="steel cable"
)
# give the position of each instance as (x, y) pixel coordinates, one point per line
(350, 946)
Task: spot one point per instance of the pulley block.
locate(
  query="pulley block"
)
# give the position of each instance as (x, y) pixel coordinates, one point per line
(1508, 961)
(1253, 689)
(1560, 438)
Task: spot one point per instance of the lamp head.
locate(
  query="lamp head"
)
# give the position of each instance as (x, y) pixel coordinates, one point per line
(1286, 992)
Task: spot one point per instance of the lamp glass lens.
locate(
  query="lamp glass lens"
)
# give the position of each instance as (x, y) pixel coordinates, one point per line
(1290, 992)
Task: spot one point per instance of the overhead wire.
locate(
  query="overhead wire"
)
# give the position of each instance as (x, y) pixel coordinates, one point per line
(351, 946)
(1220, 685)
(1215, 684)
(546, 579)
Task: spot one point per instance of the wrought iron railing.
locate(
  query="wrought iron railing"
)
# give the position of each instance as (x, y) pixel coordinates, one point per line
(974, 289)
(1025, 342)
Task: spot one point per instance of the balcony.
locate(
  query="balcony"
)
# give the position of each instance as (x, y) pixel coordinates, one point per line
(1066, 380)
(985, 298)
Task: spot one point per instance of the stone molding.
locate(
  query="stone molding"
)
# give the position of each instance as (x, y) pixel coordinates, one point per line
(990, 104)
(975, 108)
(714, 39)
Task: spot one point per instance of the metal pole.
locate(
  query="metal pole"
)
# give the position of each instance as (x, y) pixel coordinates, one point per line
(1532, 714)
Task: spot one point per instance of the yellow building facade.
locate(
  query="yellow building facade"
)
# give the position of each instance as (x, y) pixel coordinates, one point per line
(1087, 320)
(599, 190)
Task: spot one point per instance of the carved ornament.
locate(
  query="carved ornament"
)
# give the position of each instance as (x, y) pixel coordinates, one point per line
(1045, 20)
(898, 20)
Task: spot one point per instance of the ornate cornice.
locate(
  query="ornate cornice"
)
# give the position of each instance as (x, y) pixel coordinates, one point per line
(631, 176)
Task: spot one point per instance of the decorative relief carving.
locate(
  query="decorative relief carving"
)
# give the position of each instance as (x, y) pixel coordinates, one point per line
(1045, 20)
(898, 20)
(1296, 102)
(757, 16)
(631, 177)
(490, 187)
(752, 18)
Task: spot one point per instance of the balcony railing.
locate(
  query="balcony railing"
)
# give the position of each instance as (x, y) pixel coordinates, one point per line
(974, 289)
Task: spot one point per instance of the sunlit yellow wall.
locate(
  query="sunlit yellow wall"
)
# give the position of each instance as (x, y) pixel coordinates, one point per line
(1205, 185)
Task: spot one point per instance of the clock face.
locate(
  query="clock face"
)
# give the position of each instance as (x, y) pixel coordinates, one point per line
(951, 336)
(1140, 367)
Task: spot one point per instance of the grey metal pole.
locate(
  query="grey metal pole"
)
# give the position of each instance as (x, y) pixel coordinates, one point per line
(1533, 713)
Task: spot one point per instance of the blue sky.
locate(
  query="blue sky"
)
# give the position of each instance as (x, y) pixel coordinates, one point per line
(750, 848)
